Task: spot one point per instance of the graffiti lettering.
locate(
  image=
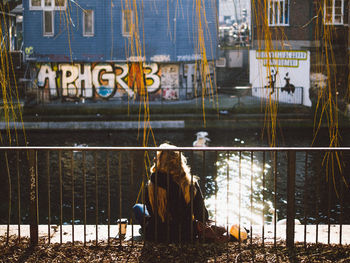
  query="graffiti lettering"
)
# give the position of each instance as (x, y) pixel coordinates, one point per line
(85, 77)
(100, 80)
(119, 78)
(103, 80)
(192, 57)
(153, 76)
(69, 75)
(161, 58)
(47, 73)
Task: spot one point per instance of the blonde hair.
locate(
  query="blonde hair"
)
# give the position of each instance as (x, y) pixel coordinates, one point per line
(173, 163)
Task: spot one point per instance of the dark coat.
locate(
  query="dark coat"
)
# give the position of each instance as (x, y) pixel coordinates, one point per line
(177, 226)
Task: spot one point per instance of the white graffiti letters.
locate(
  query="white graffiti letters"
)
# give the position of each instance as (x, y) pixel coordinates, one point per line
(69, 75)
(152, 75)
(84, 75)
(101, 80)
(47, 73)
(119, 78)
(72, 78)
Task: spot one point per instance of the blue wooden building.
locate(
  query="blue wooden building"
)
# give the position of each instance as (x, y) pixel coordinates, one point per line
(93, 48)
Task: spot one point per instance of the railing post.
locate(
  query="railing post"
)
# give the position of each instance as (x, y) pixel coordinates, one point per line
(291, 199)
(34, 236)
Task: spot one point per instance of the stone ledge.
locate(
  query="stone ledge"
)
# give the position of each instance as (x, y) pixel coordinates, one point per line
(133, 231)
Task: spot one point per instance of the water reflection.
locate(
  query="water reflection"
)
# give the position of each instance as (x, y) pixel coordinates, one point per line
(240, 191)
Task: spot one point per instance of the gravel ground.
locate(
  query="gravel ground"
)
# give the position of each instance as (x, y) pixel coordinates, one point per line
(151, 252)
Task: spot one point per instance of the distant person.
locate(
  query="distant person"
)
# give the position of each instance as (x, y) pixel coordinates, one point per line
(171, 175)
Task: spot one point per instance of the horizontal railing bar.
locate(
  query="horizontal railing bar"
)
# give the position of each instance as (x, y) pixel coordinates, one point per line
(244, 149)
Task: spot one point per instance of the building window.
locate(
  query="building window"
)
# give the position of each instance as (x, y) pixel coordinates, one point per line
(35, 4)
(60, 4)
(127, 22)
(48, 23)
(47, 4)
(334, 12)
(278, 12)
(88, 23)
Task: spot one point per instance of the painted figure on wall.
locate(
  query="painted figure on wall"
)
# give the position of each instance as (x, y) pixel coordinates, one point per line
(288, 87)
(272, 81)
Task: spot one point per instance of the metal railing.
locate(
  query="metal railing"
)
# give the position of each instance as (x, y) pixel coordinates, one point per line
(90, 189)
(291, 97)
(163, 94)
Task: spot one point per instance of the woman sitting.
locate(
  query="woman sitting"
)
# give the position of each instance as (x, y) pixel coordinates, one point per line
(174, 216)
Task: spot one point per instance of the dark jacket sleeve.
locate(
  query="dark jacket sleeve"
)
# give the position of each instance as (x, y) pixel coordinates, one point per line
(199, 209)
(147, 202)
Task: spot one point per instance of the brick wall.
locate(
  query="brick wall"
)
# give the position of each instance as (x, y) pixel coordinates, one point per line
(300, 14)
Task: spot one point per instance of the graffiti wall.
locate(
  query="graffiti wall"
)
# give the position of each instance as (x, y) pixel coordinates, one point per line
(192, 80)
(108, 80)
(170, 82)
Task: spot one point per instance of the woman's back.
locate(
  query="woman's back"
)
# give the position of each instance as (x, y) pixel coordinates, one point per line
(175, 226)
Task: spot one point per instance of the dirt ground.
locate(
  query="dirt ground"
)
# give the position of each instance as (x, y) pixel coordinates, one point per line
(151, 252)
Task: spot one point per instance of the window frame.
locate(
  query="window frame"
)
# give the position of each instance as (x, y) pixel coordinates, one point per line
(93, 23)
(60, 7)
(124, 32)
(47, 7)
(332, 22)
(271, 5)
(52, 22)
(31, 7)
(43, 7)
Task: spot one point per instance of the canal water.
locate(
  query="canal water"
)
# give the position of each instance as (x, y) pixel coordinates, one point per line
(232, 194)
